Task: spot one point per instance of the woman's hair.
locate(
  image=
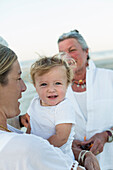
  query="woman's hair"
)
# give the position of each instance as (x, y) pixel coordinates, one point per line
(75, 34)
(45, 64)
(7, 58)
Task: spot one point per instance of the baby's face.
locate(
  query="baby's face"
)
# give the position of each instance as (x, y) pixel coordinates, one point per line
(51, 87)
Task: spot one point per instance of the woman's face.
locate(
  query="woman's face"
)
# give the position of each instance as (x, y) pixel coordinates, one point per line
(12, 92)
(74, 49)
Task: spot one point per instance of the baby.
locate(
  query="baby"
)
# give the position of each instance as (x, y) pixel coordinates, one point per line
(51, 114)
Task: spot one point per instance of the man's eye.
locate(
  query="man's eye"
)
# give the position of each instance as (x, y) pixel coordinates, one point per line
(71, 50)
(58, 83)
(43, 84)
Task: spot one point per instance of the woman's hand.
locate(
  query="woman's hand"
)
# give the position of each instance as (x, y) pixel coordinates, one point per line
(76, 144)
(91, 162)
(28, 129)
(24, 120)
(98, 141)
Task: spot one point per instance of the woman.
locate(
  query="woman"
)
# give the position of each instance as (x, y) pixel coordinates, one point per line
(22, 151)
(92, 100)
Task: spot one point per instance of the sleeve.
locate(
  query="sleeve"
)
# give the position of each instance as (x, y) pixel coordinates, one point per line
(33, 153)
(13, 129)
(65, 113)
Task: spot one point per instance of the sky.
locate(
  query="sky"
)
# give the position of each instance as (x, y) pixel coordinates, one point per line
(33, 26)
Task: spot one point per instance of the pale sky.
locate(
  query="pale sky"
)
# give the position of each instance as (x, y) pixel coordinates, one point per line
(31, 26)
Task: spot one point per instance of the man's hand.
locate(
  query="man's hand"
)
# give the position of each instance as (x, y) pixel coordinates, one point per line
(98, 141)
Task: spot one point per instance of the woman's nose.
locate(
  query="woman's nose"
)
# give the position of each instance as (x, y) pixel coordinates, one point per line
(23, 86)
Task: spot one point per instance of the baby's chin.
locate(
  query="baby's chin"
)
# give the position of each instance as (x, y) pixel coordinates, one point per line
(50, 104)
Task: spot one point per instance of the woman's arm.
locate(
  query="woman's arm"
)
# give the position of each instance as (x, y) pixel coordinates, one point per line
(28, 129)
(61, 136)
(85, 158)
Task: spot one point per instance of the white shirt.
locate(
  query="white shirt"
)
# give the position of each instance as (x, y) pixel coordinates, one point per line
(99, 105)
(43, 120)
(81, 99)
(30, 152)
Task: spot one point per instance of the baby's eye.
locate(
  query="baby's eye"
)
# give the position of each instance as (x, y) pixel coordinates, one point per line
(58, 83)
(43, 84)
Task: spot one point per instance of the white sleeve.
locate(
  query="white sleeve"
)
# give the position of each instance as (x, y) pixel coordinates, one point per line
(65, 113)
(31, 152)
(13, 129)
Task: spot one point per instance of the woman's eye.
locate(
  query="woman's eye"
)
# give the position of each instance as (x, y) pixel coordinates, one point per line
(43, 84)
(58, 83)
(19, 78)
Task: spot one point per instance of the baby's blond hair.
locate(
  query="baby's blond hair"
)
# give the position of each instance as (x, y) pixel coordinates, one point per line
(44, 65)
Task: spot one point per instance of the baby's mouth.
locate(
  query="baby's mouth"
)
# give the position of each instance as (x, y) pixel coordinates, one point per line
(52, 96)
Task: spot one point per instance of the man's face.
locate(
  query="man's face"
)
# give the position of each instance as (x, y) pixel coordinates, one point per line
(74, 49)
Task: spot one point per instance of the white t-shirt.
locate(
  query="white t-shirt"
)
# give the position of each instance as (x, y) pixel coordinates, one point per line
(81, 99)
(30, 152)
(43, 120)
